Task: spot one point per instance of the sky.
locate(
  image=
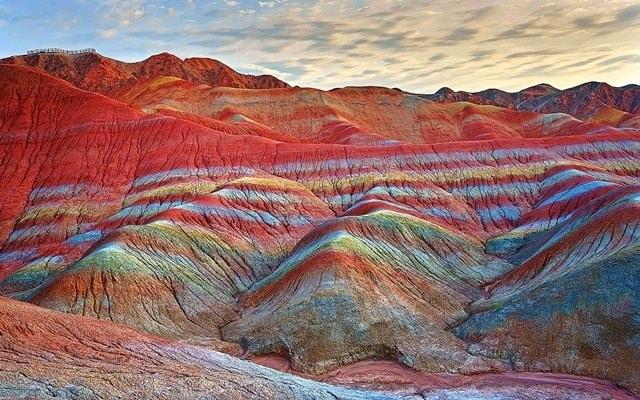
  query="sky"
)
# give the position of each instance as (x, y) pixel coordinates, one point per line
(418, 46)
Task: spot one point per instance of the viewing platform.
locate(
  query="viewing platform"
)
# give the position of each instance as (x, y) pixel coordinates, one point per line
(54, 50)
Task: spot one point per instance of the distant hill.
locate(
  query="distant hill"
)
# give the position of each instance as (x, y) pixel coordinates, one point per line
(94, 72)
(591, 101)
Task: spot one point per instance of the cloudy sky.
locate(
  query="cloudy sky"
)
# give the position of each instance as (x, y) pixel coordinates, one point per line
(415, 45)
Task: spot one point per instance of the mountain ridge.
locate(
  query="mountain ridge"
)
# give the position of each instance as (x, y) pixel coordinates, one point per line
(95, 72)
(586, 101)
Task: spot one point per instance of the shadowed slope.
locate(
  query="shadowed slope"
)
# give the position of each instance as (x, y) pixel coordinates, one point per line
(572, 304)
(583, 322)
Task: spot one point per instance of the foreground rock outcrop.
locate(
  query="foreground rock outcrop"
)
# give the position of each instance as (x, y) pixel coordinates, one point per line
(47, 355)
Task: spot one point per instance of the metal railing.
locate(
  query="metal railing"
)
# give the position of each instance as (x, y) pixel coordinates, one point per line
(54, 50)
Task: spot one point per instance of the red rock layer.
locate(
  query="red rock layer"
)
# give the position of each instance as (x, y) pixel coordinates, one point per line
(101, 74)
(350, 116)
(358, 248)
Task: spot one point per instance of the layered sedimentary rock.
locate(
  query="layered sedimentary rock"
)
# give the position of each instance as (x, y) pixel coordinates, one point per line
(382, 284)
(328, 228)
(47, 355)
(572, 304)
(95, 72)
(350, 116)
(593, 101)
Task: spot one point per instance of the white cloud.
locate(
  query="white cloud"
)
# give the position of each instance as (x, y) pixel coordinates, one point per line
(108, 33)
(67, 24)
(123, 11)
(412, 46)
(417, 46)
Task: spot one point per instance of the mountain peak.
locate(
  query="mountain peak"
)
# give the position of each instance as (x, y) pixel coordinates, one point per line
(164, 56)
(445, 91)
